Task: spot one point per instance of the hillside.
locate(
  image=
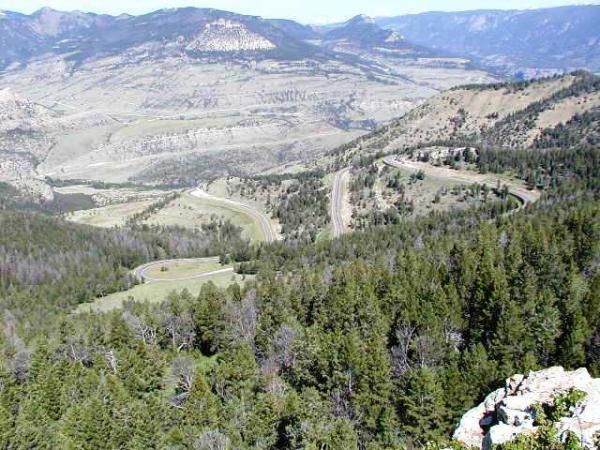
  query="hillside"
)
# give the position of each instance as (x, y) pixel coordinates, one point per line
(182, 96)
(222, 232)
(522, 43)
(511, 116)
(335, 345)
(362, 33)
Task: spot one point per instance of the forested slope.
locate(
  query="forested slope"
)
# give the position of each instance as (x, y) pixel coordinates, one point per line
(49, 265)
(518, 116)
(377, 340)
(382, 341)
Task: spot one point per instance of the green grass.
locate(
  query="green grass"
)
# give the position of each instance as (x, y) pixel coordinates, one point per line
(326, 234)
(182, 269)
(109, 216)
(189, 211)
(158, 292)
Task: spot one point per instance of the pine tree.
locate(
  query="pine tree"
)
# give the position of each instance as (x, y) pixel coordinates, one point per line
(422, 407)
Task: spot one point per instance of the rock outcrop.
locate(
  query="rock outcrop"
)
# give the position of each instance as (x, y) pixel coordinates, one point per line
(229, 36)
(509, 412)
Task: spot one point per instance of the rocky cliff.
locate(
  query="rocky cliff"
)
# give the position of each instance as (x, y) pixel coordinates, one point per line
(514, 409)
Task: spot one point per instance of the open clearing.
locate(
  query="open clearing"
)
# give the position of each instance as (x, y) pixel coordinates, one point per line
(180, 269)
(191, 212)
(109, 216)
(264, 225)
(188, 210)
(157, 292)
(516, 187)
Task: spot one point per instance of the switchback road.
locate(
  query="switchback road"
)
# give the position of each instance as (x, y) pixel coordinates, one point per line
(268, 231)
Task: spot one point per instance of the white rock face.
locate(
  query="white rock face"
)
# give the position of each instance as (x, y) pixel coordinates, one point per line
(394, 37)
(229, 36)
(508, 412)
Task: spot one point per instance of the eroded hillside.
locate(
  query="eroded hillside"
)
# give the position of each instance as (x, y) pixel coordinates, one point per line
(222, 94)
(510, 116)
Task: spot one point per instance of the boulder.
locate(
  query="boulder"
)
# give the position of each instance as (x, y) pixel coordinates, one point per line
(502, 433)
(508, 412)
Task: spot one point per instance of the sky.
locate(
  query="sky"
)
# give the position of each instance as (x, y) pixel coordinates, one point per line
(306, 11)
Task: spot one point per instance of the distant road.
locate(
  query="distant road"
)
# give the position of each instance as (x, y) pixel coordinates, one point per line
(337, 202)
(524, 195)
(269, 233)
(141, 272)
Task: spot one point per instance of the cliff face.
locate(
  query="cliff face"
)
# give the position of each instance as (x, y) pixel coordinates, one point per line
(511, 411)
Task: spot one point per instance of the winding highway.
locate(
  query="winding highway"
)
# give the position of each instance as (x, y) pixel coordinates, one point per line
(337, 202)
(268, 231)
(141, 272)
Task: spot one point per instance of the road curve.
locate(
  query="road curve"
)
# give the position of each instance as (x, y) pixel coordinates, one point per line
(269, 233)
(337, 202)
(524, 195)
(141, 271)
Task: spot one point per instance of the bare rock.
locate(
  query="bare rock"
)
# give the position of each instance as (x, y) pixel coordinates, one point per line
(508, 412)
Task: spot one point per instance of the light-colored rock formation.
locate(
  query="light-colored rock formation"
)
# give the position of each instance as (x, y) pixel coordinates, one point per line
(229, 36)
(509, 412)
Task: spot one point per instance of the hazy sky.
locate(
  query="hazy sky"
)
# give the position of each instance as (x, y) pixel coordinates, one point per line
(308, 11)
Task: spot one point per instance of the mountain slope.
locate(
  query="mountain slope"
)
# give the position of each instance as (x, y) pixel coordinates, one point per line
(183, 95)
(361, 32)
(192, 31)
(517, 42)
(506, 115)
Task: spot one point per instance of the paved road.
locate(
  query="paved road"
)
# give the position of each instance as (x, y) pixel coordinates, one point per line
(524, 195)
(141, 271)
(337, 202)
(269, 233)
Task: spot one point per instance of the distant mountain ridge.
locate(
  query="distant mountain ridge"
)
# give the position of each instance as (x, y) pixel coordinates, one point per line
(522, 43)
(77, 35)
(364, 33)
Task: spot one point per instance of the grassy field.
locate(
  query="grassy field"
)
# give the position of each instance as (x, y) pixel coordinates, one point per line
(157, 292)
(186, 211)
(189, 211)
(109, 216)
(177, 269)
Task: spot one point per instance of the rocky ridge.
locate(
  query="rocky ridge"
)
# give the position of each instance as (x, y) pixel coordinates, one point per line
(530, 43)
(511, 411)
(229, 36)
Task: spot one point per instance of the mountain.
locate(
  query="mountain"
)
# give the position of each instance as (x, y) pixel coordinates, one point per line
(557, 112)
(361, 32)
(191, 31)
(521, 43)
(204, 91)
(295, 29)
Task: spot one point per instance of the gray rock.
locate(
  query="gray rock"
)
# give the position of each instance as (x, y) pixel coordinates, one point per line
(512, 409)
